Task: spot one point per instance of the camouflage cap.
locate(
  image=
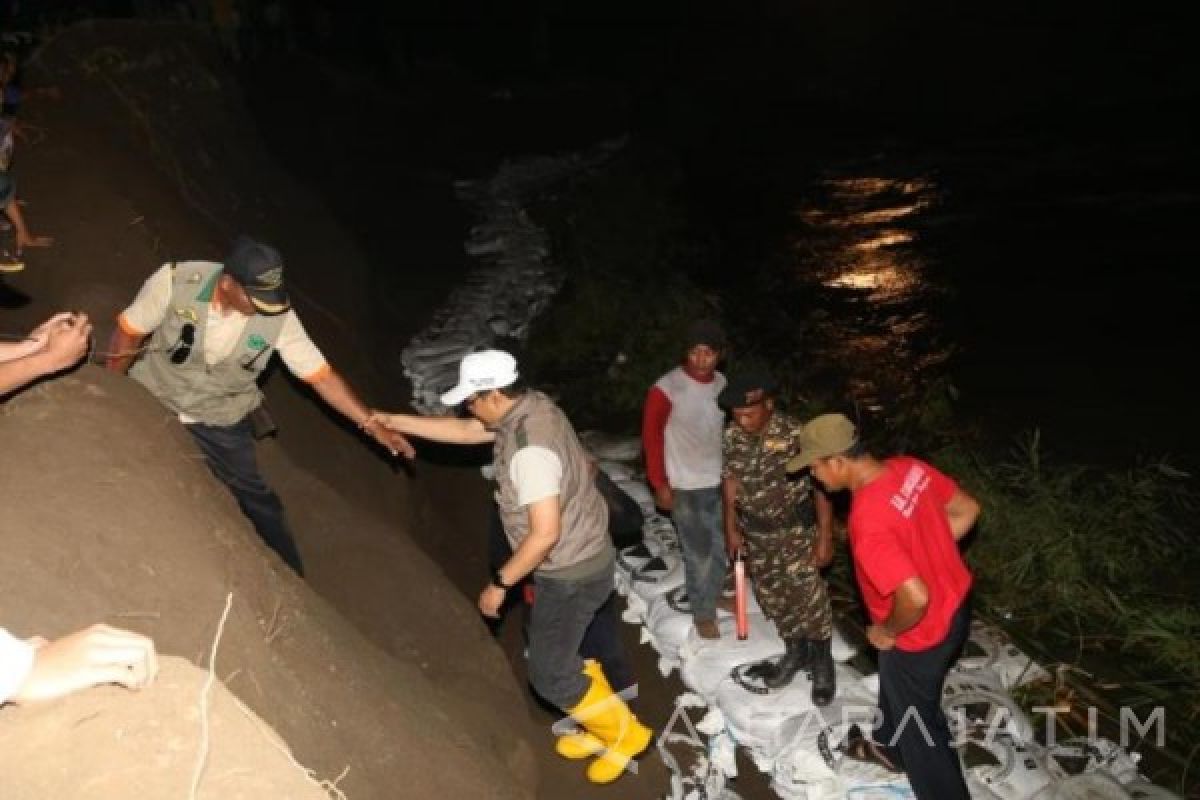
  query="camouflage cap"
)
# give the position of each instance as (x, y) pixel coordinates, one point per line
(823, 436)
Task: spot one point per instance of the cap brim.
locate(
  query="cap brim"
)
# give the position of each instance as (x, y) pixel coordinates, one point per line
(270, 303)
(804, 459)
(728, 399)
(456, 396)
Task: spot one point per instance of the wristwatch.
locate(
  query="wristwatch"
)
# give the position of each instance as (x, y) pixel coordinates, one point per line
(498, 580)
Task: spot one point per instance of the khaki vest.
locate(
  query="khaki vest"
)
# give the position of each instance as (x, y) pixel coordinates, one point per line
(218, 394)
(583, 541)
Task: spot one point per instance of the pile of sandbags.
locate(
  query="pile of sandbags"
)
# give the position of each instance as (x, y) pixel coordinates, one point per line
(515, 279)
(802, 747)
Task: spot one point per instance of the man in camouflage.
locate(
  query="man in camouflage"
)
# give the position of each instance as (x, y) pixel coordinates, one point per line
(784, 526)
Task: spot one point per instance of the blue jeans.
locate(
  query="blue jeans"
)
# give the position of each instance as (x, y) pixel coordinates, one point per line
(697, 517)
(562, 611)
(229, 451)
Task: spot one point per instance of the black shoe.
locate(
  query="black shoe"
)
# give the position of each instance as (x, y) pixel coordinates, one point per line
(797, 657)
(763, 671)
(824, 677)
(860, 748)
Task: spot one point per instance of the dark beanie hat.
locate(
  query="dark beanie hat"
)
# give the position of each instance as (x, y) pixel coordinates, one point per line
(746, 387)
(704, 331)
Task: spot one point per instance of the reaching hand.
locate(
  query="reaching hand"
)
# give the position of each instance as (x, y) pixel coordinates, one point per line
(62, 319)
(66, 340)
(880, 638)
(822, 553)
(90, 657)
(393, 441)
(490, 600)
(733, 542)
(29, 240)
(663, 498)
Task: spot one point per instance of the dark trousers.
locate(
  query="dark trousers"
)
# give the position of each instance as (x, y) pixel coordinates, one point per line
(229, 451)
(910, 691)
(602, 639)
(563, 610)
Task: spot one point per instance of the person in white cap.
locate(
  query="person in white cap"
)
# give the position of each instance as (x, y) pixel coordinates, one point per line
(556, 521)
(212, 330)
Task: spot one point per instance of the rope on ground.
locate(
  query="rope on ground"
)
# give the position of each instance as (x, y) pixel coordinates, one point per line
(202, 756)
(329, 787)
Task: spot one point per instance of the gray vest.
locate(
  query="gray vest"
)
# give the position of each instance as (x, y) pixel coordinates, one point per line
(218, 394)
(583, 546)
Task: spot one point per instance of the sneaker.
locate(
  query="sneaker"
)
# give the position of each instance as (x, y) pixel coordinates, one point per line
(10, 263)
(707, 629)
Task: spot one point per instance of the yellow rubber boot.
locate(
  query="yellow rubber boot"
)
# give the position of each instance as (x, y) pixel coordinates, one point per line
(578, 745)
(606, 717)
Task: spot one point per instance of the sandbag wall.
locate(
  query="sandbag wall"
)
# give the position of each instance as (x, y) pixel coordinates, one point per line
(801, 746)
(514, 281)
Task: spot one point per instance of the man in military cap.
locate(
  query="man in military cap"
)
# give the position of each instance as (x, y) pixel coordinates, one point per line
(783, 525)
(212, 329)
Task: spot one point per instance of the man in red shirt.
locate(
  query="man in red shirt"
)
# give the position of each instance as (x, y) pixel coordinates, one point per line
(906, 519)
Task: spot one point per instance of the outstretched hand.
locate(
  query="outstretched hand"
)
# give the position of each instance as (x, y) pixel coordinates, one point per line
(30, 240)
(95, 655)
(394, 442)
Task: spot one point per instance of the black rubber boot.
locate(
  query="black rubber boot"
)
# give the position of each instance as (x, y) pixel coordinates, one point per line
(797, 657)
(763, 671)
(824, 678)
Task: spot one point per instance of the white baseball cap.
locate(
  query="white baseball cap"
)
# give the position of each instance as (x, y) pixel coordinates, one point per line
(479, 372)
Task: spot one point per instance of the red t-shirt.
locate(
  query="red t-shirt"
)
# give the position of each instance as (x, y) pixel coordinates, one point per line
(898, 529)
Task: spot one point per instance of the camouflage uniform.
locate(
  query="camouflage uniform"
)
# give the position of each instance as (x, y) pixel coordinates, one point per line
(777, 515)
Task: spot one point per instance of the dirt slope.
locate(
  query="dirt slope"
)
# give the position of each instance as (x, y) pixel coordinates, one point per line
(110, 514)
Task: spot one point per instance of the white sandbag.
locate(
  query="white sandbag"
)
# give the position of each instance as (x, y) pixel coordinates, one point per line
(1141, 789)
(640, 492)
(668, 621)
(1081, 754)
(656, 577)
(989, 649)
(1088, 786)
(660, 529)
(841, 647)
(1006, 767)
(779, 719)
(611, 447)
(801, 737)
(972, 700)
(804, 775)
(616, 470)
(632, 558)
(708, 662)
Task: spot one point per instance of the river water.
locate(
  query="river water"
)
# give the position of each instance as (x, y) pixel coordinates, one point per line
(1055, 288)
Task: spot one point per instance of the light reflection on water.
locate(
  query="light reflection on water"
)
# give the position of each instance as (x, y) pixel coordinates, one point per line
(857, 247)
